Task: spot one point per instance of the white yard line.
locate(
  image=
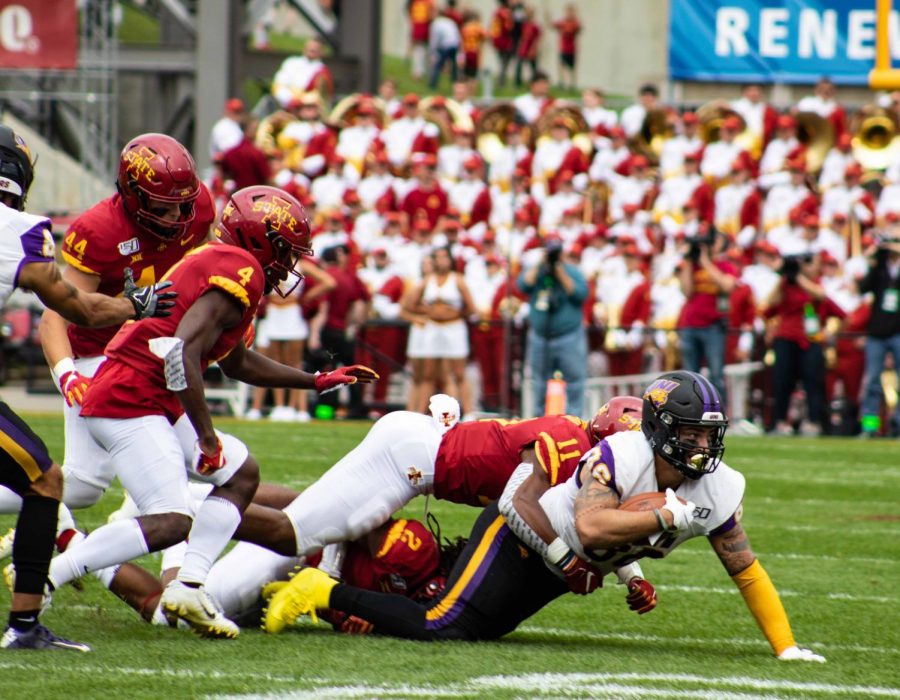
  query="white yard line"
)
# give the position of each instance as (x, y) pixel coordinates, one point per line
(784, 593)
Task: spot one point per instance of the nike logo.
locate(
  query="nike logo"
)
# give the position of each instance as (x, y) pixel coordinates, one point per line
(185, 241)
(29, 619)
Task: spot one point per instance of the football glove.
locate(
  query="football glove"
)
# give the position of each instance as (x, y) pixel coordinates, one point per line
(148, 301)
(329, 381)
(642, 595)
(73, 387)
(581, 577)
(795, 653)
(682, 513)
(207, 464)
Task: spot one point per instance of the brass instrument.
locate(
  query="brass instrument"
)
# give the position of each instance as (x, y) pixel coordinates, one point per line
(711, 116)
(445, 114)
(577, 124)
(345, 112)
(876, 137)
(655, 131)
(490, 130)
(817, 134)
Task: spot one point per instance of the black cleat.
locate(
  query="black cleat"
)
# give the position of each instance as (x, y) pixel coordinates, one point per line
(38, 637)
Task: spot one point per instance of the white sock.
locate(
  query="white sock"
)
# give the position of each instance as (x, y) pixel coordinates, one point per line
(214, 524)
(10, 501)
(173, 556)
(115, 543)
(107, 575)
(66, 521)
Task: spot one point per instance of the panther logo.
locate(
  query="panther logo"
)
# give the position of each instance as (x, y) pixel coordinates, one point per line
(658, 392)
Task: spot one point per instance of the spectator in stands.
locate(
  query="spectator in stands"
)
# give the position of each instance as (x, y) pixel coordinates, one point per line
(282, 333)
(443, 299)
(706, 278)
(229, 130)
(556, 336)
(883, 332)
(302, 74)
(632, 118)
(473, 36)
(568, 29)
(502, 27)
(348, 309)
(801, 308)
(529, 45)
(443, 45)
(421, 14)
(245, 164)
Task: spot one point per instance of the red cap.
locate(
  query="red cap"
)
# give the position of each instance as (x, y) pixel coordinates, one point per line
(786, 121)
(439, 101)
(235, 104)
(797, 163)
(742, 162)
(574, 211)
(365, 107)
(827, 258)
(336, 160)
(811, 221)
(351, 197)
(731, 123)
(451, 213)
(631, 208)
(566, 176)
(334, 215)
(844, 141)
(393, 217)
(841, 216)
(522, 215)
(854, 169)
(891, 217)
(617, 132)
(631, 250)
(640, 161)
(690, 118)
(513, 128)
(382, 157)
(473, 162)
(493, 259)
(422, 225)
(379, 250)
(766, 247)
(489, 236)
(696, 156)
(411, 98)
(522, 174)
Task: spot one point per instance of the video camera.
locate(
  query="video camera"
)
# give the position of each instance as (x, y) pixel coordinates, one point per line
(698, 243)
(554, 248)
(790, 266)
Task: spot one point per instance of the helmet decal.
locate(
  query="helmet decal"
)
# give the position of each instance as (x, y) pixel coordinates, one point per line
(658, 392)
(139, 164)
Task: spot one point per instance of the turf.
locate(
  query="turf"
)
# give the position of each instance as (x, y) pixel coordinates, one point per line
(823, 516)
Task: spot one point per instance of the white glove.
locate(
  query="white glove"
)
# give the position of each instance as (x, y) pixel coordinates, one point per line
(795, 653)
(682, 513)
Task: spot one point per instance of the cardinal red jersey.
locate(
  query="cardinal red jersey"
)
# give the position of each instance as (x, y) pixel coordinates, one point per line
(475, 460)
(131, 382)
(103, 241)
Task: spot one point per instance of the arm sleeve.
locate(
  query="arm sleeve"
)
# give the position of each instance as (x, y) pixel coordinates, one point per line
(516, 523)
(764, 603)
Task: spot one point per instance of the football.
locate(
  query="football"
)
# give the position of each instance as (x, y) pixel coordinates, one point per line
(645, 501)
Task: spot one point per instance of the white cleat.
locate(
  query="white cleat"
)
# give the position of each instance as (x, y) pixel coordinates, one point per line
(197, 608)
(6, 544)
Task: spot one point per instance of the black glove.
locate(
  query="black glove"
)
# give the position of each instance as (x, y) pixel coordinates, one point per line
(148, 301)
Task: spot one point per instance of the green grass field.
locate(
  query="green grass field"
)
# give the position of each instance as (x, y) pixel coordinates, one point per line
(823, 515)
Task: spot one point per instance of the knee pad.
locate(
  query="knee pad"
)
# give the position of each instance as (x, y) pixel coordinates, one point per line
(78, 493)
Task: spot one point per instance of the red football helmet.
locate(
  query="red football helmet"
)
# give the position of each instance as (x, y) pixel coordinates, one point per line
(272, 225)
(158, 183)
(616, 415)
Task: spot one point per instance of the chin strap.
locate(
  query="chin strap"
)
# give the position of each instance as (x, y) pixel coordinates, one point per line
(761, 597)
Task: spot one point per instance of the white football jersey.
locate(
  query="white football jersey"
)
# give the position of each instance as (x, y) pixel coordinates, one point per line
(24, 238)
(626, 461)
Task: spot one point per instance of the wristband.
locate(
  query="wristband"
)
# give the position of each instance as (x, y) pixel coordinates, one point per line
(557, 551)
(662, 521)
(67, 364)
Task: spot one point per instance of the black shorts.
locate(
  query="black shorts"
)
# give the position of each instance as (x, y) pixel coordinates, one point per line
(567, 59)
(495, 585)
(23, 455)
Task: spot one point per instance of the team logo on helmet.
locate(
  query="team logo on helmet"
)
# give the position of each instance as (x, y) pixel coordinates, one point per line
(139, 166)
(658, 392)
(276, 213)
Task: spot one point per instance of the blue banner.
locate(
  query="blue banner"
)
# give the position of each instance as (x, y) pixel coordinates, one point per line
(784, 41)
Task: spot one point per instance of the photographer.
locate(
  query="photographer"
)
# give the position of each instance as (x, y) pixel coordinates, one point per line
(883, 331)
(800, 307)
(556, 335)
(707, 279)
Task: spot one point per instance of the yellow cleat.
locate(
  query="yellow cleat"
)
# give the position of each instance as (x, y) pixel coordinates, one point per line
(271, 588)
(302, 595)
(6, 544)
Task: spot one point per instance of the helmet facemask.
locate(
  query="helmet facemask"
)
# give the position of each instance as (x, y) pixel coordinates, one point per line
(687, 457)
(283, 274)
(151, 214)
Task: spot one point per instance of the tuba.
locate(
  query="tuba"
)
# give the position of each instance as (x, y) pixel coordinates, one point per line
(876, 137)
(445, 114)
(490, 129)
(344, 112)
(654, 132)
(711, 116)
(578, 126)
(816, 133)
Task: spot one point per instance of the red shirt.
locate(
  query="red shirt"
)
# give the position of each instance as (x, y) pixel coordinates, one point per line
(420, 13)
(702, 308)
(528, 42)
(103, 241)
(433, 202)
(475, 460)
(791, 313)
(501, 30)
(246, 165)
(568, 31)
(132, 383)
(350, 288)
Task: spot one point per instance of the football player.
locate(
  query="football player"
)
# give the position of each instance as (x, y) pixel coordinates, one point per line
(492, 587)
(147, 408)
(27, 262)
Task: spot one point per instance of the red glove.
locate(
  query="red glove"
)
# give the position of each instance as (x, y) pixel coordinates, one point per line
(329, 381)
(356, 625)
(207, 464)
(73, 387)
(581, 576)
(642, 595)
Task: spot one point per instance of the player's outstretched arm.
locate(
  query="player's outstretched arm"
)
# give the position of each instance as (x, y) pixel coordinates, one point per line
(734, 551)
(520, 505)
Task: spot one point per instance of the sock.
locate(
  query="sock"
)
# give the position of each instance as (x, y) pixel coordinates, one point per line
(214, 524)
(33, 545)
(23, 620)
(172, 557)
(66, 520)
(10, 501)
(68, 538)
(114, 543)
(107, 574)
